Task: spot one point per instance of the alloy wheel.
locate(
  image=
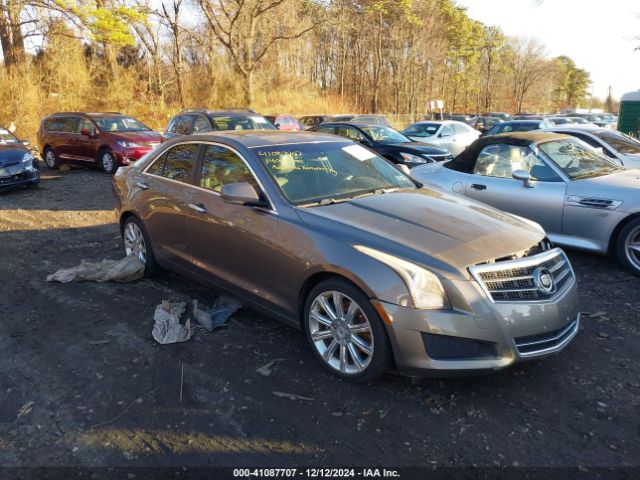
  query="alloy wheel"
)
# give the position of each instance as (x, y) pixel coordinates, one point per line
(50, 158)
(632, 247)
(134, 243)
(341, 332)
(107, 162)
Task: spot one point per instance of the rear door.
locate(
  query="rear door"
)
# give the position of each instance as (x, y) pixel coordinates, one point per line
(492, 183)
(164, 195)
(233, 244)
(65, 137)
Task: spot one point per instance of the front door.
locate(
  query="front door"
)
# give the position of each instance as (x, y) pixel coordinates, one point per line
(492, 183)
(237, 244)
(85, 147)
(164, 193)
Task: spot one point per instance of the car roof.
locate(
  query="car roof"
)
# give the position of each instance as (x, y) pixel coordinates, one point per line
(579, 128)
(352, 124)
(260, 138)
(89, 114)
(521, 121)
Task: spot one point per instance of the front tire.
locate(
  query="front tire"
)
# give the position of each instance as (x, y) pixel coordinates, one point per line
(108, 162)
(345, 332)
(628, 246)
(51, 159)
(136, 242)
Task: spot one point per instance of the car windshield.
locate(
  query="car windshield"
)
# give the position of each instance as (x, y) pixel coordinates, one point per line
(243, 122)
(120, 124)
(577, 160)
(385, 135)
(579, 120)
(422, 129)
(619, 141)
(7, 137)
(324, 173)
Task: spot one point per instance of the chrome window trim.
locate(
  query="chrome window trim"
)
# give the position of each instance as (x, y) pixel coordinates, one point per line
(272, 208)
(534, 260)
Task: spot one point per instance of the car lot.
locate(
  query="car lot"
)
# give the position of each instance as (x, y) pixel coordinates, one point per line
(105, 394)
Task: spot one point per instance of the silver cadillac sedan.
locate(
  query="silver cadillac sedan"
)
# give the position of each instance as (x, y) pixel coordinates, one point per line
(581, 198)
(322, 233)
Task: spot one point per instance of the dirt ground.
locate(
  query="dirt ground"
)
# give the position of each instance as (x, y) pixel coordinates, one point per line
(83, 384)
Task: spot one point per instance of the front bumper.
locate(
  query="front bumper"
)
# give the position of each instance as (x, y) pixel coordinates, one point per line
(19, 177)
(491, 337)
(128, 156)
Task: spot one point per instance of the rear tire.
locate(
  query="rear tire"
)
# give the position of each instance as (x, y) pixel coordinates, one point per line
(136, 241)
(51, 159)
(628, 246)
(350, 341)
(107, 161)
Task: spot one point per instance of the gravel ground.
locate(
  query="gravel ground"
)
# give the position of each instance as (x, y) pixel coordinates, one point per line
(83, 383)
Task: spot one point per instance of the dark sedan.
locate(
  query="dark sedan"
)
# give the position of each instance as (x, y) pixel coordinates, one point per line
(518, 126)
(387, 142)
(17, 166)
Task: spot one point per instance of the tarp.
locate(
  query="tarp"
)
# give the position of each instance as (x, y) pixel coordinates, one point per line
(122, 271)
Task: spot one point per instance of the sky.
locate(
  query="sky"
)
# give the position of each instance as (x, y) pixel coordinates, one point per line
(598, 35)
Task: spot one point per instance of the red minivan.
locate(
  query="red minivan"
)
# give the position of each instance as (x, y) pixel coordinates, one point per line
(284, 122)
(106, 139)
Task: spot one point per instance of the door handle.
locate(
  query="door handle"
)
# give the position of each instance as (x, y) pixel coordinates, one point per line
(197, 208)
(142, 185)
(477, 186)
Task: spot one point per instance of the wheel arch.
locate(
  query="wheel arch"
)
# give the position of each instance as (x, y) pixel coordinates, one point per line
(613, 239)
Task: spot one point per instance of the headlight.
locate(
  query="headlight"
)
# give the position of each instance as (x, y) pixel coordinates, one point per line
(128, 144)
(27, 160)
(408, 157)
(425, 288)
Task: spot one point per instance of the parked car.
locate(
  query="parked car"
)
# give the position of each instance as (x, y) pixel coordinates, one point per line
(561, 121)
(107, 140)
(519, 126)
(484, 124)
(194, 121)
(595, 118)
(501, 115)
(580, 121)
(528, 116)
(387, 142)
(582, 199)
(308, 121)
(617, 146)
(284, 122)
(454, 136)
(371, 119)
(459, 118)
(17, 166)
(331, 238)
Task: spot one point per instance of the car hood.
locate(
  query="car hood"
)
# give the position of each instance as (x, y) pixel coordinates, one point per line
(631, 160)
(138, 137)
(444, 232)
(11, 154)
(420, 147)
(622, 186)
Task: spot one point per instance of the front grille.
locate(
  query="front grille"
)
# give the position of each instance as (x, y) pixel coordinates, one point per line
(525, 279)
(541, 343)
(444, 347)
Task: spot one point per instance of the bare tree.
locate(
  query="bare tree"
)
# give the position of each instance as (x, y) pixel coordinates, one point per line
(248, 29)
(528, 65)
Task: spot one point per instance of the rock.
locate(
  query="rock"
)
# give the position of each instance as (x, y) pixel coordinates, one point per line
(597, 314)
(602, 335)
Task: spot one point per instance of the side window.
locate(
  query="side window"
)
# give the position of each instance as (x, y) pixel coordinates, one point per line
(459, 129)
(221, 166)
(325, 129)
(201, 125)
(173, 124)
(501, 160)
(68, 124)
(594, 143)
(157, 166)
(446, 131)
(184, 125)
(350, 133)
(179, 162)
(88, 124)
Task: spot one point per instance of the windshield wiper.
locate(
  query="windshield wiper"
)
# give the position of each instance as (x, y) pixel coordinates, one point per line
(333, 200)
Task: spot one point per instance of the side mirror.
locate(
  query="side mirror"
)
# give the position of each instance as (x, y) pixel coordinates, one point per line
(26, 143)
(524, 177)
(87, 132)
(239, 193)
(442, 134)
(365, 142)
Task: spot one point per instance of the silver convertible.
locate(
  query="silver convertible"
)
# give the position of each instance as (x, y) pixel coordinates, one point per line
(582, 199)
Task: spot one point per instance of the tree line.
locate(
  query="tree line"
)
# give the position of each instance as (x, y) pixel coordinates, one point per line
(151, 57)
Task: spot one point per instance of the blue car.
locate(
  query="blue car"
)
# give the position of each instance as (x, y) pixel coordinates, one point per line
(518, 126)
(17, 166)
